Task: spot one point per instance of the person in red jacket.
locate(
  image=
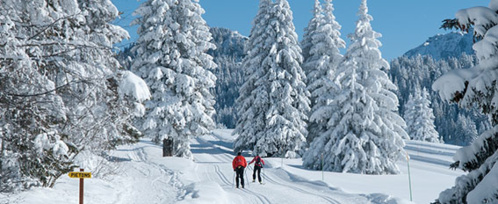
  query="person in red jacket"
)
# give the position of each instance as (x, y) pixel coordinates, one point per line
(239, 163)
(257, 168)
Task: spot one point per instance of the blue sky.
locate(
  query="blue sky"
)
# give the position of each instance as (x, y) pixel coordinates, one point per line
(404, 24)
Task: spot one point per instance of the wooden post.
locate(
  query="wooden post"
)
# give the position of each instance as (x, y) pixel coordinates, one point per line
(81, 175)
(409, 176)
(81, 187)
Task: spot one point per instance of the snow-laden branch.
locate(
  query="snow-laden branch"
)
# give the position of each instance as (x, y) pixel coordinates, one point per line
(52, 25)
(46, 92)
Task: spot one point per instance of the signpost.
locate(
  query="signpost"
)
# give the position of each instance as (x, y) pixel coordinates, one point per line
(81, 175)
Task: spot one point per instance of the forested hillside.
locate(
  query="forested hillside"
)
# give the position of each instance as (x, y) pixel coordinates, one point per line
(228, 56)
(454, 124)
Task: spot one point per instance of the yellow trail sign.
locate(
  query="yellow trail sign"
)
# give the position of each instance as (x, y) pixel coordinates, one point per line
(80, 174)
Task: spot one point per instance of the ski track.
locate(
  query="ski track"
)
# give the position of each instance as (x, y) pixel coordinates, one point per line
(259, 196)
(228, 185)
(432, 150)
(220, 156)
(301, 190)
(429, 145)
(167, 178)
(221, 175)
(431, 160)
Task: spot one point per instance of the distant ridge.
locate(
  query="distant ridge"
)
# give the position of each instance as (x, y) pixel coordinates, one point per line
(444, 46)
(228, 43)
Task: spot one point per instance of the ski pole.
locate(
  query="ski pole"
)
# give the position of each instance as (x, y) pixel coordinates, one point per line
(247, 181)
(233, 183)
(262, 172)
(251, 169)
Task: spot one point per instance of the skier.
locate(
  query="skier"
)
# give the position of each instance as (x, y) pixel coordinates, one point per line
(239, 163)
(257, 168)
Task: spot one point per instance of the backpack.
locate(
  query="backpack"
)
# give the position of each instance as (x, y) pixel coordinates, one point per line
(258, 161)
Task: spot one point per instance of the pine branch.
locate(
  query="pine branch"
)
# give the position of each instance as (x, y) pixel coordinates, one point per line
(91, 45)
(449, 24)
(52, 25)
(46, 92)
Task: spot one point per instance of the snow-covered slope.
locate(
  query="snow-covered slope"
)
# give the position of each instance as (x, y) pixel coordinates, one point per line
(444, 46)
(138, 174)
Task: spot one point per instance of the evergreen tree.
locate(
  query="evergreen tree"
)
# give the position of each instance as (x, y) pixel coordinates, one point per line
(420, 118)
(466, 130)
(172, 58)
(313, 24)
(278, 95)
(60, 90)
(364, 133)
(321, 44)
(250, 107)
(471, 87)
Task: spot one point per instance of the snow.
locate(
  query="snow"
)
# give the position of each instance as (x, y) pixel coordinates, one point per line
(175, 65)
(479, 16)
(139, 174)
(480, 158)
(445, 46)
(363, 132)
(273, 101)
(134, 86)
(483, 191)
(452, 82)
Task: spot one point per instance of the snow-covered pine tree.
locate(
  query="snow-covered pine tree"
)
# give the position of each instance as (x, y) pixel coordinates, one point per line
(321, 44)
(364, 133)
(420, 118)
(410, 113)
(313, 24)
(468, 88)
(278, 97)
(172, 59)
(466, 130)
(250, 107)
(59, 86)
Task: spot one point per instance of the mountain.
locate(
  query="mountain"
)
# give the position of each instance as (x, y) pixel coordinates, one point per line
(445, 46)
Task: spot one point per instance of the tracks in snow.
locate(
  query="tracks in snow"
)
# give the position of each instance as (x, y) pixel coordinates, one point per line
(213, 155)
(218, 161)
(292, 185)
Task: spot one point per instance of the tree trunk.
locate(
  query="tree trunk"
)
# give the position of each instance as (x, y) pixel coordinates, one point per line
(167, 147)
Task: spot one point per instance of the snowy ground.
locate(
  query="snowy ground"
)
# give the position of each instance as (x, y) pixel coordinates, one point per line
(139, 174)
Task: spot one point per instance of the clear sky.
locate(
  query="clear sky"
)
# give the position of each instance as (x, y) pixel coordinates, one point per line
(404, 24)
